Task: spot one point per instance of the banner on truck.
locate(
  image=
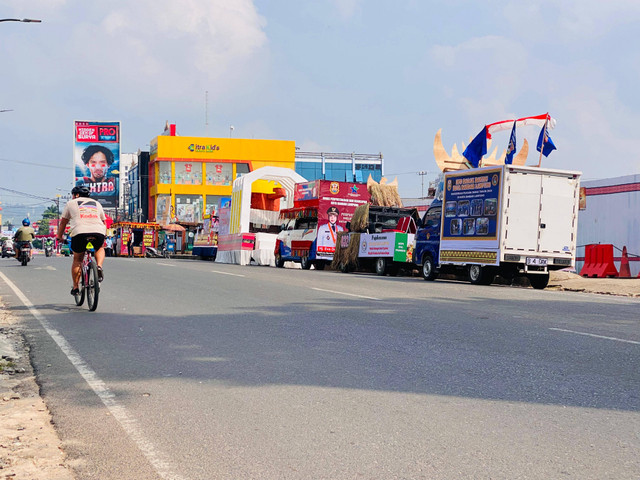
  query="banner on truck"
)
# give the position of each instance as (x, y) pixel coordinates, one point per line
(471, 206)
(337, 202)
(96, 159)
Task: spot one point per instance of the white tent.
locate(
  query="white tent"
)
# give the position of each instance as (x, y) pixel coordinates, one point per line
(241, 193)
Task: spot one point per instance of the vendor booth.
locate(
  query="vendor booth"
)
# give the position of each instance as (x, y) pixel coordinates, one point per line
(142, 235)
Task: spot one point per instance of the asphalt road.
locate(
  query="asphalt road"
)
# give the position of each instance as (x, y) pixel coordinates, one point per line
(199, 370)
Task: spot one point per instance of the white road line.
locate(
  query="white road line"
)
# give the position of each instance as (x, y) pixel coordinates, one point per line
(118, 412)
(225, 273)
(344, 293)
(596, 336)
(167, 264)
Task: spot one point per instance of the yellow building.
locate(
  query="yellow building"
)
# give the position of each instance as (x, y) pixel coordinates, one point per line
(190, 177)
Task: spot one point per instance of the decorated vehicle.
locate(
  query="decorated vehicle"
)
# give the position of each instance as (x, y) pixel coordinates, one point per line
(309, 230)
(504, 220)
(380, 239)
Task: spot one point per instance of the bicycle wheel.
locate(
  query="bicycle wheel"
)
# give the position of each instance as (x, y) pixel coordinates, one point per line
(93, 287)
(80, 295)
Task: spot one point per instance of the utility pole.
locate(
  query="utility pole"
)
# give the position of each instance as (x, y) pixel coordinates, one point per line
(422, 174)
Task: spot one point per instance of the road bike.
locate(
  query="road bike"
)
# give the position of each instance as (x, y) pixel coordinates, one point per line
(89, 281)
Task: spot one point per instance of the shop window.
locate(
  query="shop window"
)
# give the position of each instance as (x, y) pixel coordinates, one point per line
(219, 173)
(189, 208)
(164, 172)
(242, 169)
(188, 173)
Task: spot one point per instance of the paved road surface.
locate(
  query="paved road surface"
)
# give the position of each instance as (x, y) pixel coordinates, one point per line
(196, 370)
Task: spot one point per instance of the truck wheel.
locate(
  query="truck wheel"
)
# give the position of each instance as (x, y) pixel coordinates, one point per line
(319, 264)
(539, 281)
(428, 271)
(479, 275)
(279, 261)
(305, 263)
(381, 266)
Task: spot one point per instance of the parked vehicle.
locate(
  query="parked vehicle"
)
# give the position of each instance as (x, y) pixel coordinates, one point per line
(309, 230)
(151, 252)
(507, 220)
(382, 244)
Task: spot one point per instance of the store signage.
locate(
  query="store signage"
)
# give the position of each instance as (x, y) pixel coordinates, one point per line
(195, 147)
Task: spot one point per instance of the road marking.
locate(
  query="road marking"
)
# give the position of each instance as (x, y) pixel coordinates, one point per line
(225, 273)
(596, 336)
(48, 267)
(167, 264)
(118, 412)
(344, 293)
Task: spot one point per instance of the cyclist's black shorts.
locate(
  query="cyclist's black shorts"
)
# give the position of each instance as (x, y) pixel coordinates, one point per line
(79, 241)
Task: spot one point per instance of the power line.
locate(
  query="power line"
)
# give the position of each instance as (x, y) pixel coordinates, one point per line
(37, 197)
(32, 163)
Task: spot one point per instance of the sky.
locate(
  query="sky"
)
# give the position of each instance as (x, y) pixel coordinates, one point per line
(336, 76)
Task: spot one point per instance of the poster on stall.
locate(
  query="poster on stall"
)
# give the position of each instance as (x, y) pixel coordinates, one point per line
(96, 159)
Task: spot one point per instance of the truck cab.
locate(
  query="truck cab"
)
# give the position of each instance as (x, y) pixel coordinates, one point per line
(427, 248)
(296, 242)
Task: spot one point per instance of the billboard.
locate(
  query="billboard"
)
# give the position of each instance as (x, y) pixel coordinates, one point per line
(96, 159)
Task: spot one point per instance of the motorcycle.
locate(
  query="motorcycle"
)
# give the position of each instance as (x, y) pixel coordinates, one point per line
(48, 250)
(8, 251)
(25, 253)
(151, 252)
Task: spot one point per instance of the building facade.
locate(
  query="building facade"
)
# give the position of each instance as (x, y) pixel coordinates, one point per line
(340, 167)
(610, 214)
(192, 177)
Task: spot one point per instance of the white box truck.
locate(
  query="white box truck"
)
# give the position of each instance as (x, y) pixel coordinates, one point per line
(506, 220)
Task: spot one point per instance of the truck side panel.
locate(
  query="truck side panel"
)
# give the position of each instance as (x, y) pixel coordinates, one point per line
(559, 215)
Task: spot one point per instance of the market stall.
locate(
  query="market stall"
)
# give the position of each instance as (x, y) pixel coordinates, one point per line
(142, 235)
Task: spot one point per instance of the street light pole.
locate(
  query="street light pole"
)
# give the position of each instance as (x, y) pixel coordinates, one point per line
(422, 174)
(25, 20)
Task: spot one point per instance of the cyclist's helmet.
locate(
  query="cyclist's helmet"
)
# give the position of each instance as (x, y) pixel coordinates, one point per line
(81, 190)
(26, 222)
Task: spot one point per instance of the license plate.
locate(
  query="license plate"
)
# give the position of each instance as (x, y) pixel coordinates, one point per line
(536, 261)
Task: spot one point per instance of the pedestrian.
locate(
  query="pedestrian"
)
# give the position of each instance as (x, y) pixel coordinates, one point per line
(130, 243)
(108, 246)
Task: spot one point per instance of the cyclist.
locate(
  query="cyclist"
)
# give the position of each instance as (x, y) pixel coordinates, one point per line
(25, 233)
(87, 219)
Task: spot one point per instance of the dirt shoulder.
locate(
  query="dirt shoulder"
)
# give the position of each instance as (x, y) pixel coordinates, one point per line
(29, 446)
(626, 287)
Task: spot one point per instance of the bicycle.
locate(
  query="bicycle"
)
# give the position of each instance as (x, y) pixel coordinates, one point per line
(89, 282)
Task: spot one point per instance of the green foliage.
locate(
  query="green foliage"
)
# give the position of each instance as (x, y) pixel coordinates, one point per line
(51, 212)
(43, 227)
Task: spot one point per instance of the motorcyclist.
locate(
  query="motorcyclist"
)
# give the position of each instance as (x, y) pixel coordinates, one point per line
(86, 218)
(25, 233)
(48, 245)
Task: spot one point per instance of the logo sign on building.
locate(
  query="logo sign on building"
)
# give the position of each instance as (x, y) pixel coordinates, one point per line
(96, 159)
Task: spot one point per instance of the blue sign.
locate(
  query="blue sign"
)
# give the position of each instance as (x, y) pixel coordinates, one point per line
(471, 205)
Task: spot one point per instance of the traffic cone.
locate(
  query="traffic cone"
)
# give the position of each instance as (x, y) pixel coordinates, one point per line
(625, 272)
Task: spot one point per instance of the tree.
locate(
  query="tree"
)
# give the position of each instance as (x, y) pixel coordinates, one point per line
(43, 226)
(51, 212)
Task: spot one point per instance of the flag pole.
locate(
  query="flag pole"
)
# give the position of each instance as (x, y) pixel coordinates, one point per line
(544, 134)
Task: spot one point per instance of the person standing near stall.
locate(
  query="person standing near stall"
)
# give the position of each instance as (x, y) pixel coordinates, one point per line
(130, 243)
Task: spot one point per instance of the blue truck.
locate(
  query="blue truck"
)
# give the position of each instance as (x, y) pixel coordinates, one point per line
(506, 220)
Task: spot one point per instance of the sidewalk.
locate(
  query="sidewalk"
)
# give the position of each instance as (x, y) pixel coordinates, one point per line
(29, 446)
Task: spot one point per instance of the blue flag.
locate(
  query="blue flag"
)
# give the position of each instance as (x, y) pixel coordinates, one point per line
(511, 149)
(545, 144)
(477, 148)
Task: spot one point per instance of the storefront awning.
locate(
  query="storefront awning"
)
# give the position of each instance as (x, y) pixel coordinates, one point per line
(173, 227)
